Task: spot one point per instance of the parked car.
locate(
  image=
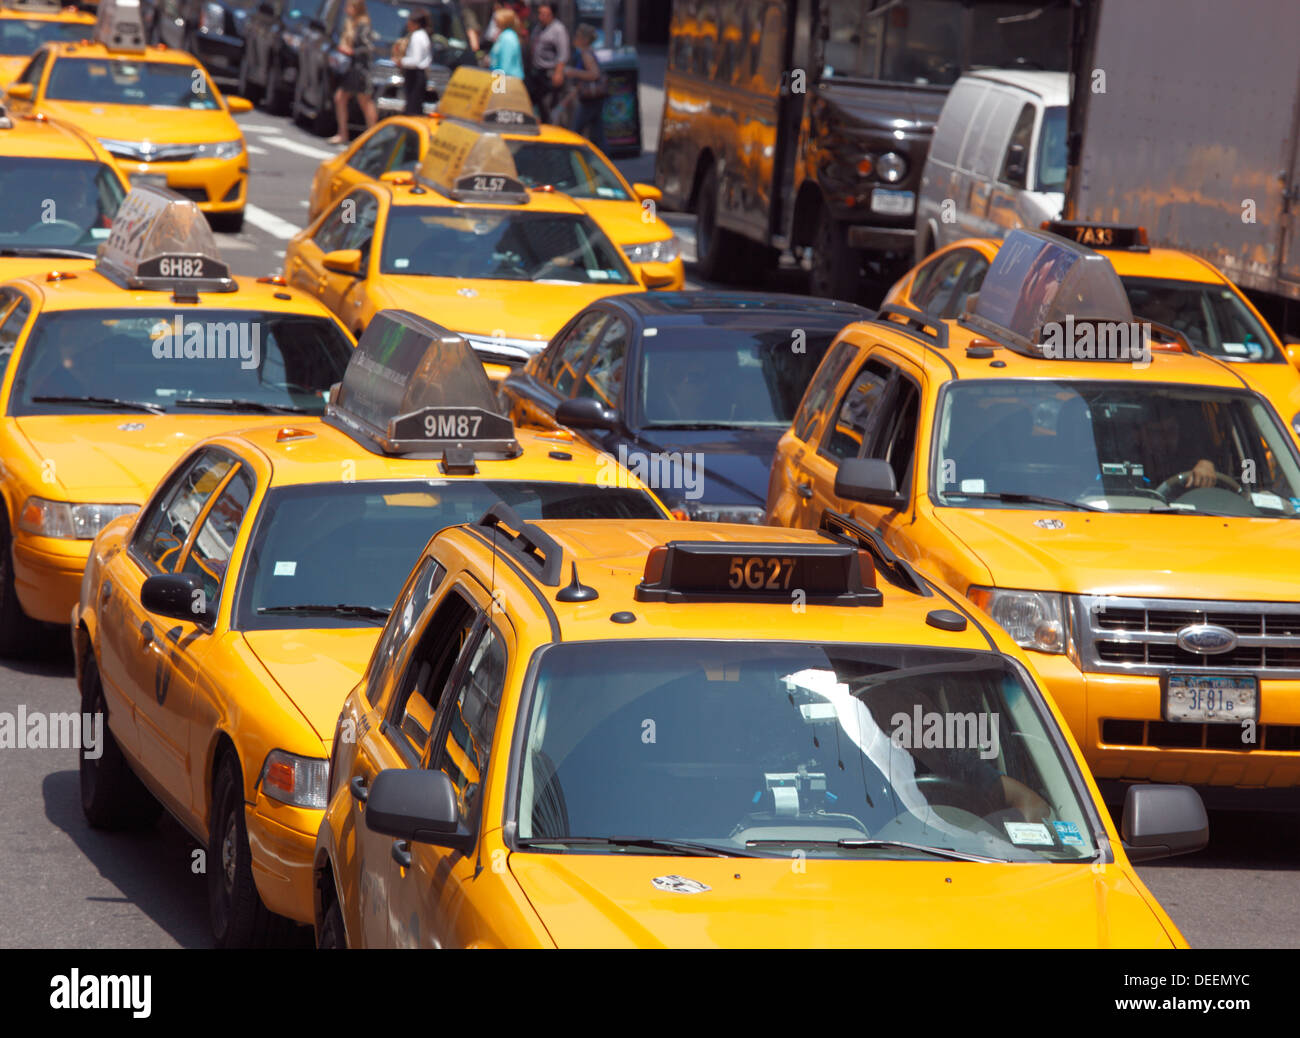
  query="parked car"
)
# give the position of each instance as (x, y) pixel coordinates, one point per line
(272, 38)
(211, 30)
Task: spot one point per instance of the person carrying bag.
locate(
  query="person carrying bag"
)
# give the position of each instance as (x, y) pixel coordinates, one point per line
(588, 88)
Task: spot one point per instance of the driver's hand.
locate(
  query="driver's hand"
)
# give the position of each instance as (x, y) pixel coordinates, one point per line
(1203, 474)
(1023, 799)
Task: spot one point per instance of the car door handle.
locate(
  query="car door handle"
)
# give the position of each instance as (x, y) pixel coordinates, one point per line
(105, 591)
(358, 788)
(805, 491)
(146, 634)
(402, 853)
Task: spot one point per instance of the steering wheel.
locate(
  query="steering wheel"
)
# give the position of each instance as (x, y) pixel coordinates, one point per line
(45, 225)
(1185, 477)
(940, 789)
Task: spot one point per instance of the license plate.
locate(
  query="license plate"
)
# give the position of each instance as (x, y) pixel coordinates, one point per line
(151, 179)
(1211, 698)
(893, 203)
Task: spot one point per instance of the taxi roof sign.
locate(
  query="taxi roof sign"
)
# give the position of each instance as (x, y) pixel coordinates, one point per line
(475, 95)
(1101, 235)
(412, 386)
(468, 165)
(35, 6)
(1039, 279)
(160, 240)
(119, 25)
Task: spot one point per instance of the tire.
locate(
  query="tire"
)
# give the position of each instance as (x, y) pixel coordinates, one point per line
(112, 797)
(717, 251)
(19, 633)
(239, 919)
(277, 99)
(228, 223)
(835, 266)
(332, 933)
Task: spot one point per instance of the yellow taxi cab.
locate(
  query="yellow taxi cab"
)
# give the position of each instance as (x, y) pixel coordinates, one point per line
(113, 372)
(222, 628)
(575, 709)
(61, 191)
(26, 25)
(545, 156)
(155, 110)
(1177, 290)
(1129, 512)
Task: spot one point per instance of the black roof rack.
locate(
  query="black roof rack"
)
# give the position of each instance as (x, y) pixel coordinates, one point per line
(917, 321)
(843, 527)
(530, 545)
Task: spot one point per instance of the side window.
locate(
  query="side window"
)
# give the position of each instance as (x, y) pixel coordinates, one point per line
(371, 158)
(847, 437)
(896, 442)
(1015, 164)
(603, 380)
(335, 228)
(362, 228)
(971, 279)
(32, 73)
(406, 156)
(568, 358)
(432, 664)
(821, 387)
(166, 524)
(401, 622)
(13, 322)
(938, 294)
(210, 553)
(473, 702)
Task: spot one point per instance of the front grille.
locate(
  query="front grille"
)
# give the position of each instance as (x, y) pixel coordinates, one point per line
(1140, 635)
(194, 194)
(1171, 735)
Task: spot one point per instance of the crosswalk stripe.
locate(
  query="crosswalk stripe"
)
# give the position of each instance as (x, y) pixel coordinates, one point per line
(269, 222)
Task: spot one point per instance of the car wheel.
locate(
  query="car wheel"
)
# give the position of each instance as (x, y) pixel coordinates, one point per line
(112, 797)
(19, 633)
(332, 934)
(239, 919)
(834, 265)
(717, 251)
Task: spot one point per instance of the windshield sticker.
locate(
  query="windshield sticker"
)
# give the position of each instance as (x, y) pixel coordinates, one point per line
(1068, 833)
(401, 263)
(1028, 833)
(286, 569)
(679, 885)
(598, 275)
(1265, 500)
(606, 192)
(1235, 347)
(972, 486)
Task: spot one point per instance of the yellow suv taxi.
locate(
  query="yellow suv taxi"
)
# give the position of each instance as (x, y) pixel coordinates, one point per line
(26, 25)
(1128, 510)
(560, 714)
(222, 628)
(113, 372)
(545, 156)
(61, 191)
(155, 110)
(502, 265)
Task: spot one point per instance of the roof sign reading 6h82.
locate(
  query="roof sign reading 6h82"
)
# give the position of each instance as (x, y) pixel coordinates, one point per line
(160, 240)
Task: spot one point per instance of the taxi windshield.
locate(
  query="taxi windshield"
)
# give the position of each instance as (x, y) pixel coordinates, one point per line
(89, 361)
(1113, 446)
(56, 203)
(438, 241)
(574, 169)
(1212, 317)
(713, 375)
(112, 81)
(770, 748)
(307, 550)
(21, 36)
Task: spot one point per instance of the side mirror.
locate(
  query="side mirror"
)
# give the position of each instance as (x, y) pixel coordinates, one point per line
(238, 104)
(418, 805)
(20, 91)
(343, 261)
(178, 596)
(657, 275)
(647, 193)
(1161, 821)
(868, 480)
(585, 413)
(1292, 349)
(1017, 167)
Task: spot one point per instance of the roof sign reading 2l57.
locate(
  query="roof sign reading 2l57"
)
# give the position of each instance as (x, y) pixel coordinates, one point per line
(468, 165)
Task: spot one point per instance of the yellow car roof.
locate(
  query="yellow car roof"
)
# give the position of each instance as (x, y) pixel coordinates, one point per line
(424, 195)
(1173, 264)
(39, 137)
(92, 49)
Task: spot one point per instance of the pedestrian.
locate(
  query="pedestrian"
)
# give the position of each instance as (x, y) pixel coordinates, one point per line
(507, 54)
(550, 52)
(415, 55)
(587, 88)
(357, 43)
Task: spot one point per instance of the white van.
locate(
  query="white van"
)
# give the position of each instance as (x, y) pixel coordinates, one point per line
(997, 161)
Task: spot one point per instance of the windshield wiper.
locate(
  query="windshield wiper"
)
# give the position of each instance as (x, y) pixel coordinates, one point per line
(41, 250)
(698, 425)
(105, 401)
(854, 844)
(365, 611)
(687, 847)
(1029, 499)
(231, 404)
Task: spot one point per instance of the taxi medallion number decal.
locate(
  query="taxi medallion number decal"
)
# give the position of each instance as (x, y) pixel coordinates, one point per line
(679, 885)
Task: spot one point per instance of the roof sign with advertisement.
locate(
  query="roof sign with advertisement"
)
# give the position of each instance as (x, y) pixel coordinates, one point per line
(468, 165)
(1040, 281)
(160, 240)
(119, 25)
(413, 387)
(498, 101)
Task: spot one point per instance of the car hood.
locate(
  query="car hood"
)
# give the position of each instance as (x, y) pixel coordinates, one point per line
(623, 221)
(317, 668)
(611, 901)
(1180, 556)
(138, 123)
(725, 466)
(117, 457)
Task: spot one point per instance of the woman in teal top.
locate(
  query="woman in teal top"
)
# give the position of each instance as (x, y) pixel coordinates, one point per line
(506, 55)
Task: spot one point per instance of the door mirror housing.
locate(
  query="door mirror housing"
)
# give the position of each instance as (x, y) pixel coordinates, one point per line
(238, 105)
(20, 91)
(657, 275)
(343, 261)
(647, 193)
(178, 596)
(1161, 821)
(1017, 169)
(869, 480)
(585, 413)
(416, 804)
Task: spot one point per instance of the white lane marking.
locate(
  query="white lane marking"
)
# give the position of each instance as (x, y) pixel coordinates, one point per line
(299, 149)
(269, 222)
(253, 149)
(261, 127)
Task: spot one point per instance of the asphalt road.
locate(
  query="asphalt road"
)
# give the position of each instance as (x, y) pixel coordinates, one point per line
(65, 885)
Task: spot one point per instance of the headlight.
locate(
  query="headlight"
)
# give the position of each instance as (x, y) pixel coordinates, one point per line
(1032, 618)
(891, 167)
(300, 781)
(219, 150)
(292, 40)
(1295, 423)
(66, 520)
(212, 18)
(654, 251)
(702, 513)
